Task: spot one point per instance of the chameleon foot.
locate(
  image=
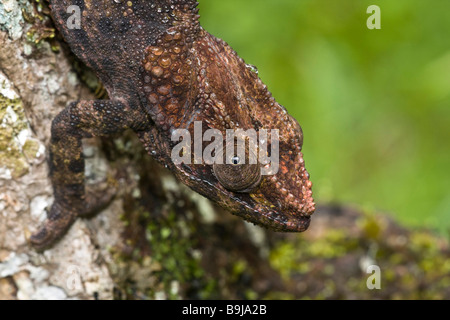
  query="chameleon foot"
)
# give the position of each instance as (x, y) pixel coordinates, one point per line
(60, 219)
(58, 222)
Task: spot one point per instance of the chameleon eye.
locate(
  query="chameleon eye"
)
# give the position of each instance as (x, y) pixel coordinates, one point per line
(236, 160)
(237, 175)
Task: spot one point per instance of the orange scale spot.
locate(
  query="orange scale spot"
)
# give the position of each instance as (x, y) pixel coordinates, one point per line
(171, 107)
(165, 62)
(177, 79)
(157, 71)
(153, 98)
(164, 90)
(175, 66)
(167, 37)
(177, 36)
(157, 51)
(152, 57)
(148, 66)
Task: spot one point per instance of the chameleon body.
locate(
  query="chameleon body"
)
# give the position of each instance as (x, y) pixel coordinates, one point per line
(163, 71)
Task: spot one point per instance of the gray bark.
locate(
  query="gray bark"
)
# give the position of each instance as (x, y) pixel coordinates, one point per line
(36, 84)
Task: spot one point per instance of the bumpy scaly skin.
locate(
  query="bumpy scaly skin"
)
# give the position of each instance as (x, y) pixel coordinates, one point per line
(162, 72)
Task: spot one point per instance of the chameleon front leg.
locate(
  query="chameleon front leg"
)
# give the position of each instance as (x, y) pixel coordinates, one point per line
(81, 119)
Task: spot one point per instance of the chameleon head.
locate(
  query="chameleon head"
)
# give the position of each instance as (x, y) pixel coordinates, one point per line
(190, 77)
(274, 192)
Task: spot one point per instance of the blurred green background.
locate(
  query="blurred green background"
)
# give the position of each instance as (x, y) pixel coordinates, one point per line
(374, 105)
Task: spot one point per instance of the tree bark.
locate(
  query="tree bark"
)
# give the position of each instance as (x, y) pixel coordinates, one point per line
(37, 84)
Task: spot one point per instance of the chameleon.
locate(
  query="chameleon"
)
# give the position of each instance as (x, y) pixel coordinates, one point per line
(162, 71)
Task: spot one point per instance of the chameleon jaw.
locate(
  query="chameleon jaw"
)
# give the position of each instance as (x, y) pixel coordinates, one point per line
(264, 214)
(277, 221)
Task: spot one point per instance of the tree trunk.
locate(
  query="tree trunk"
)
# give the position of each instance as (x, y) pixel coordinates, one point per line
(36, 84)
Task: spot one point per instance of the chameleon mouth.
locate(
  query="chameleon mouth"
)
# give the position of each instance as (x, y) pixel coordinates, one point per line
(288, 220)
(291, 214)
(296, 219)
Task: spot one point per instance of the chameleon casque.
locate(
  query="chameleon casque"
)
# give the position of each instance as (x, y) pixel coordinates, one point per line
(163, 71)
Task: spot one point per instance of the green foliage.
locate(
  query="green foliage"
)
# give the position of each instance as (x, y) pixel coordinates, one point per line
(373, 104)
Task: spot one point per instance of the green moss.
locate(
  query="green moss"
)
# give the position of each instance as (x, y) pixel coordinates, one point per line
(334, 244)
(40, 30)
(173, 252)
(331, 265)
(283, 259)
(423, 243)
(239, 267)
(169, 257)
(279, 295)
(294, 257)
(371, 226)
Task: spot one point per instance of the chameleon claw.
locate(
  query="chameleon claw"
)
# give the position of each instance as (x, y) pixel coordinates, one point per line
(56, 225)
(59, 219)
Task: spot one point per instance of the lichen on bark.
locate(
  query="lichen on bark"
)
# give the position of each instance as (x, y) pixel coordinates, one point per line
(17, 147)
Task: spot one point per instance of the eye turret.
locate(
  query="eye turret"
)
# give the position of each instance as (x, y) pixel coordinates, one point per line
(236, 173)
